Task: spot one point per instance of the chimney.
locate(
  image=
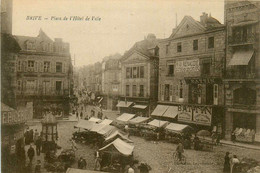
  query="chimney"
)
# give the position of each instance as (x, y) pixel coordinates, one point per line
(203, 18)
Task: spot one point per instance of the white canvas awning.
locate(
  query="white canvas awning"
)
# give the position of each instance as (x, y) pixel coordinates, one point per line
(118, 135)
(171, 112)
(176, 127)
(158, 123)
(121, 146)
(124, 104)
(85, 124)
(140, 106)
(159, 110)
(125, 117)
(106, 121)
(97, 127)
(241, 57)
(107, 130)
(138, 120)
(96, 120)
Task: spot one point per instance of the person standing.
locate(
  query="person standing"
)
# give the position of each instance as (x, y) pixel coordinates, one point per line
(81, 115)
(234, 162)
(97, 161)
(218, 139)
(82, 164)
(73, 145)
(180, 150)
(36, 135)
(31, 153)
(77, 114)
(38, 167)
(38, 144)
(227, 163)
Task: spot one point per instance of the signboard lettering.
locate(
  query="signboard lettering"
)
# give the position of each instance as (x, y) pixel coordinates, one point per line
(188, 66)
(195, 114)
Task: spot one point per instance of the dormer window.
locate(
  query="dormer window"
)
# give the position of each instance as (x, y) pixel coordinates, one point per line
(30, 46)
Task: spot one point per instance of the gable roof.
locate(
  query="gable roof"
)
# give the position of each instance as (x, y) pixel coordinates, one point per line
(143, 47)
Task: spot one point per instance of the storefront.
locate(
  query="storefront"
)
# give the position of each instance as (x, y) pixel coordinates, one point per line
(202, 117)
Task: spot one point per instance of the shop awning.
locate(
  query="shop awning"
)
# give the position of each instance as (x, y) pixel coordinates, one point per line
(74, 170)
(106, 121)
(121, 146)
(171, 112)
(138, 120)
(158, 123)
(124, 104)
(96, 120)
(140, 106)
(178, 128)
(5, 108)
(85, 124)
(107, 130)
(125, 117)
(241, 57)
(159, 110)
(97, 127)
(117, 134)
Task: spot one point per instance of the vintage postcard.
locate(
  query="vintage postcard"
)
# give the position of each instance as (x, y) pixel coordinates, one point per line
(160, 86)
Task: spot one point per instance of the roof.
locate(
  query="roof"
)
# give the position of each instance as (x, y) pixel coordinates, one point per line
(117, 134)
(143, 46)
(96, 120)
(97, 127)
(74, 170)
(5, 108)
(158, 123)
(140, 106)
(176, 127)
(121, 146)
(241, 57)
(125, 117)
(159, 110)
(171, 112)
(106, 121)
(85, 124)
(107, 130)
(124, 104)
(138, 120)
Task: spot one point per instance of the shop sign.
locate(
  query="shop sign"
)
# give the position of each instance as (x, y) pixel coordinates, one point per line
(195, 114)
(11, 117)
(188, 66)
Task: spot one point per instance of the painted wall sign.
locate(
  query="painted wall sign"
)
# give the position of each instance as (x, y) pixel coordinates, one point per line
(195, 114)
(188, 66)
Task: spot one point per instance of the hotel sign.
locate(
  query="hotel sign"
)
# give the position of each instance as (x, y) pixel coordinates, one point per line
(195, 114)
(188, 66)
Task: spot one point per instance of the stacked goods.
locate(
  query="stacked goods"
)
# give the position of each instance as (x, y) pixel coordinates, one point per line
(244, 135)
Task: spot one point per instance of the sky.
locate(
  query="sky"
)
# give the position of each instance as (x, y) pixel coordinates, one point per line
(116, 24)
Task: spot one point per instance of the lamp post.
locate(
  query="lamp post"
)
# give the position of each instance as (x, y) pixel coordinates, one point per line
(49, 133)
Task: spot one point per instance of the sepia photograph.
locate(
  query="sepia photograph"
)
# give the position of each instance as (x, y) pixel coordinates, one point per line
(130, 86)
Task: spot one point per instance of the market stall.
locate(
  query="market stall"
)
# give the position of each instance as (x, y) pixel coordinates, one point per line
(117, 153)
(116, 135)
(178, 132)
(96, 120)
(133, 126)
(106, 121)
(153, 130)
(122, 120)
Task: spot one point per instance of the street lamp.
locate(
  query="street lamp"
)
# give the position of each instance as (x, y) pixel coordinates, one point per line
(49, 133)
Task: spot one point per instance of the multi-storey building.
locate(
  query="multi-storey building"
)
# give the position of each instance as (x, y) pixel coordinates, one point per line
(97, 78)
(44, 74)
(139, 79)
(111, 75)
(242, 84)
(190, 72)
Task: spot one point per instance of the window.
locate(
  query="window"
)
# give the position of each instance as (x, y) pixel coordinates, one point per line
(138, 72)
(206, 68)
(178, 47)
(215, 92)
(58, 85)
(167, 49)
(211, 42)
(142, 72)
(181, 90)
(134, 90)
(141, 94)
(58, 67)
(195, 44)
(127, 72)
(30, 86)
(19, 66)
(46, 87)
(127, 90)
(46, 66)
(19, 85)
(31, 66)
(170, 70)
(134, 72)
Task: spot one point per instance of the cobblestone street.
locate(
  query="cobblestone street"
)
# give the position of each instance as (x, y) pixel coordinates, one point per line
(156, 154)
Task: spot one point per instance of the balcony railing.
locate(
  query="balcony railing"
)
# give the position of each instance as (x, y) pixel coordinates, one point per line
(44, 93)
(243, 39)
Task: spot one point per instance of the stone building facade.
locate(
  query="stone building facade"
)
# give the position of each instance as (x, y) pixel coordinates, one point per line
(190, 73)
(111, 75)
(242, 84)
(139, 76)
(44, 74)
